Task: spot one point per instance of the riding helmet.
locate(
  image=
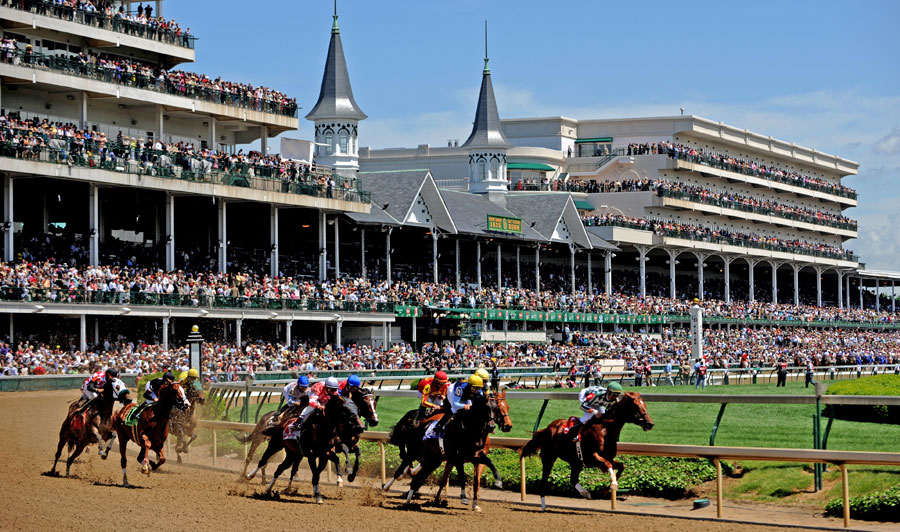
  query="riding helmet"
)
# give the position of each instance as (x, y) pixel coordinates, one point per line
(331, 382)
(112, 373)
(303, 381)
(441, 377)
(353, 380)
(169, 376)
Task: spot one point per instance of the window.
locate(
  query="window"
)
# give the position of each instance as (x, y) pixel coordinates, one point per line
(593, 149)
(495, 170)
(329, 148)
(482, 168)
(343, 139)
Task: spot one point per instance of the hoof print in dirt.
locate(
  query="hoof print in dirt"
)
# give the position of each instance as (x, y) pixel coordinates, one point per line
(262, 495)
(54, 474)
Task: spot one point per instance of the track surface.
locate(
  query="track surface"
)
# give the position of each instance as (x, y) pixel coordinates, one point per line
(184, 497)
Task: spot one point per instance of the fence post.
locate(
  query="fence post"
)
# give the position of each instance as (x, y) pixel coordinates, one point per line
(245, 415)
(718, 487)
(383, 466)
(522, 477)
(215, 452)
(845, 488)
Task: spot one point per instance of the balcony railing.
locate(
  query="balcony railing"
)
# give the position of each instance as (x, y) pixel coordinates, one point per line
(96, 297)
(73, 66)
(714, 162)
(697, 198)
(729, 241)
(182, 167)
(97, 19)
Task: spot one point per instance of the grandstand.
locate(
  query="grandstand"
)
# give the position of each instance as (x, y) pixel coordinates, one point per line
(133, 209)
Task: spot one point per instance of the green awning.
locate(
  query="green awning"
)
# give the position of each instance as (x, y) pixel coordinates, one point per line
(530, 166)
(584, 205)
(602, 139)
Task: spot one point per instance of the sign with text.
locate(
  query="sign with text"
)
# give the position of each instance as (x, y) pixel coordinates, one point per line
(504, 224)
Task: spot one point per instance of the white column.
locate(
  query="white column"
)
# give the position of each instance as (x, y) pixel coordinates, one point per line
(9, 225)
(94, 223)
(83, 110)
(323, 237)
(12, 330)
(893, 298)
(537, 268)
(751, 263)
(287, 332)
(212, 132)
(273, 241)
(572, 266)
(337, 333)
(434, 254)
(337, 247)
(642, 268)
(877, 293)
(861, 302)
(673, 261)
(264, 140)
(170, 231)
(774, 281)
(478, 262)
(796, 268)
(518, 269)
(700, 258)
(607, 272)
(362, 249)
(387, 254)
(160, 129)
(499, 267)
(847, 277)
(456, 258)
(237, 331)
(819, 272)
(165, 334)
(727, 274)
(840, 288)
(82, 333)
(590, 280)
(223, 236)
(96, 329)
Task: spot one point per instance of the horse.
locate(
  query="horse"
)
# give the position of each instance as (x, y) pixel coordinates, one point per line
(317, 441)
(184, 422)
(76, 432)
(597, 447)
(365, 402)
(151, 430)
(463, 441)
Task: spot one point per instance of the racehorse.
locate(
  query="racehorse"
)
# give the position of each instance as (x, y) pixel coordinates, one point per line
(184, 422)
(76, 432)
(316, 442)
(363, 404)
(407, 436)
(597, 445)
(152, 428)
(463, 440)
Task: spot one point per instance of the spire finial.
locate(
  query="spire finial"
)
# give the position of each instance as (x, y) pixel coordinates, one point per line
(486, 69)
(334, 27)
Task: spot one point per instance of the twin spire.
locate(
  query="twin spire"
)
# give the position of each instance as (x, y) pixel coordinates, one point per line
(486, 130)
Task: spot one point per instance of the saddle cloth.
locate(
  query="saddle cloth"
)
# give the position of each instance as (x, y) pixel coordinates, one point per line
(289, 433)
(568, 426)
(134, 415)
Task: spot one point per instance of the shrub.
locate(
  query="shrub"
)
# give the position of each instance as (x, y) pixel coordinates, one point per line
(878, 506)
(877, 385)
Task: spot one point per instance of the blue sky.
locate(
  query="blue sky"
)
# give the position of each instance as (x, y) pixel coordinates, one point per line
(820, 74)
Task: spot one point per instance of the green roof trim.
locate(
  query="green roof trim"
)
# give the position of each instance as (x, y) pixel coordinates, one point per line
(601, 139)
(584, 205)
(530, 166)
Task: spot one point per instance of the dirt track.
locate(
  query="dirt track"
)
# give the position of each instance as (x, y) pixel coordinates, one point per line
(185, 497)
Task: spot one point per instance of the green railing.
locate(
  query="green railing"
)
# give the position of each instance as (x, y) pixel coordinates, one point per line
(73, 66)
(97, 19)
(177, 166)
(808, 218)
(729, 241)
(96, 297)
(713, 162)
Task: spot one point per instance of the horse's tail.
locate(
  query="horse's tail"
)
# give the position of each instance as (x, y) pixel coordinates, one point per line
(399, 432)
(244, 439)
(269, 432)
(537, 442)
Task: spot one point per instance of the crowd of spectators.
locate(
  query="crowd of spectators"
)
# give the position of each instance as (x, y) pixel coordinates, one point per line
(729, 162)
(678, 229)
(128, 71)
(720, 198)
(105, 15)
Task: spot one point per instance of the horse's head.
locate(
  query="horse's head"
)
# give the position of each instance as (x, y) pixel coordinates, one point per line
(174, 394)
(480, 415)
(500, 411)
(633, 409)
(366, 403)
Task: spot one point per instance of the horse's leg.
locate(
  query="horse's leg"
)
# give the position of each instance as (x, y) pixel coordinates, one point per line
(575, 478)
(280, 469)
(547, 461)
(317, 465)
(461, 472)
(144, 456)
(426, 466)
(274, 446)
(294, 467)
(498, 483)
(336, 460)
(79, 447)
(352, 476)
(112, 438)
(398, 474)
(123, 460)
(59, 448)
(605, 466)
(479, 470)
(445, 477)
(160, 457)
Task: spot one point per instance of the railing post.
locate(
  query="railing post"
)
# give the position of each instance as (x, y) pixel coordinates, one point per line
(715, 429)
(383, 464)
(537, 422)
(718, 486)
(522, 477)
(845, 489)
(215, 450)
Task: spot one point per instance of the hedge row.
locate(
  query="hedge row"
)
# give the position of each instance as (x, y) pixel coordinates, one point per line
(877, 385)
(878, 506)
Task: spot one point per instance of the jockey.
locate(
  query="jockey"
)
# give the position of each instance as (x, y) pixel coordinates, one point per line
(461, 395)
(187, 378)
(594, 401)
(432, 393)
(483, 373)
(319, 396)
(295, 394)
(99, 383)
(349, 386)
(152, 388)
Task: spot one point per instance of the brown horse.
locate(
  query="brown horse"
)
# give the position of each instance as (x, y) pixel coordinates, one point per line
(597, 446)
(152, 428)
(184, 422)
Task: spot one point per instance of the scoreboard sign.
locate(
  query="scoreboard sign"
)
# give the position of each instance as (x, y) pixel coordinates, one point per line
(504, 224)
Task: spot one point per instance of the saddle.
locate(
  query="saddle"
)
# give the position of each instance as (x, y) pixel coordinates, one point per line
(570, 423)
(433, 417)
(134, 415)
(289, 433)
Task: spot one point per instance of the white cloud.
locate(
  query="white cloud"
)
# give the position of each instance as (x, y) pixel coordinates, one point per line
(890, 143)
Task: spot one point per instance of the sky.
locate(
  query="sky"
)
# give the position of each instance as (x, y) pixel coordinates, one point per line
(820, 74)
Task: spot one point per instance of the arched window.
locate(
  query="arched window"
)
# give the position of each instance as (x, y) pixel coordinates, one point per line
(329, 148)
(343, 139)
(482, 170)
(495, 170)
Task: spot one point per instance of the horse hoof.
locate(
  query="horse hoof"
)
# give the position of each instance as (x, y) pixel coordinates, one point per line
(498, 484)
(351, 477)
(319, 500)
(340, 483)
(464, 501)
(477, 508)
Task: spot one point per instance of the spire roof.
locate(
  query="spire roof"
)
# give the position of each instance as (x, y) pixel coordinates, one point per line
(486, 130)
(336, 96)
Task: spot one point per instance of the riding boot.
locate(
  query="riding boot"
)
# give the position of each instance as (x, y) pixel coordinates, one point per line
(575, 430)
(442, 423)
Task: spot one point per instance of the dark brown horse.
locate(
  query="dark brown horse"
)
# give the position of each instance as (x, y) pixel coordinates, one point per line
(152, 428)
(77, 431)
(597, 447)
(183, 423)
